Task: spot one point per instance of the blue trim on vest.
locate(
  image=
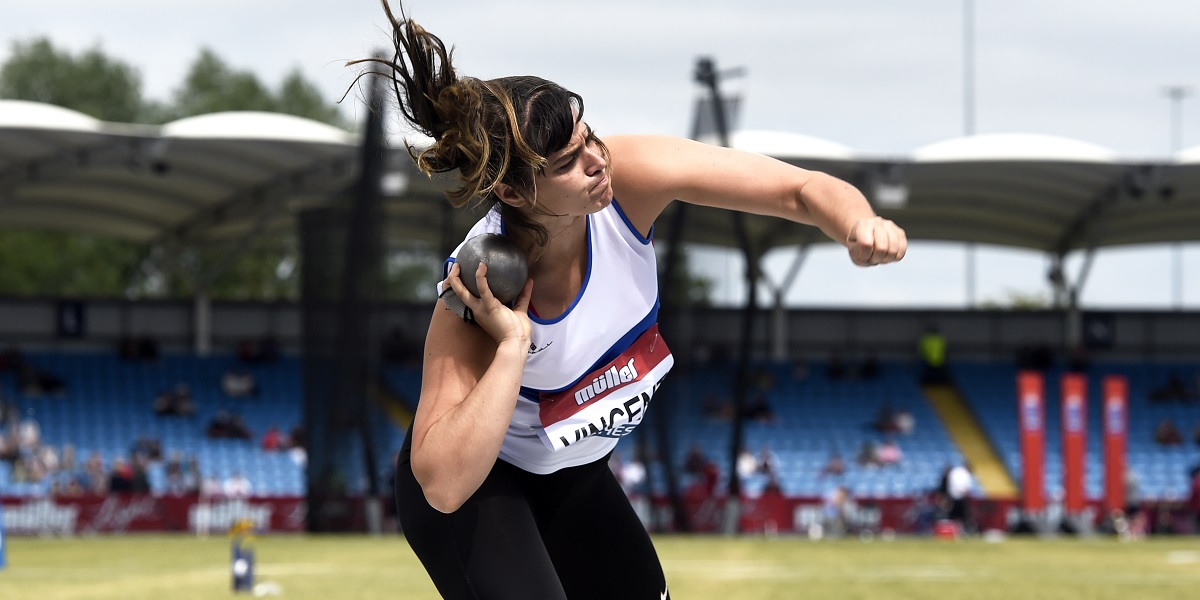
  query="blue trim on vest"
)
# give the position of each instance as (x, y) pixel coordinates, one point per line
(643, 240)
(583, 288)
(614, 351)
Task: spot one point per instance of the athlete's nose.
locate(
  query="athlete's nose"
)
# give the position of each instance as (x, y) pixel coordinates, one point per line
(595, 161)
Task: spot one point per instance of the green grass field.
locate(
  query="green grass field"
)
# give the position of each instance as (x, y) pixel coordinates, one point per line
(336, 567)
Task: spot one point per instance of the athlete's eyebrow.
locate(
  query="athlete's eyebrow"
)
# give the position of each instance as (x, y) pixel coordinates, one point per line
(574, 149)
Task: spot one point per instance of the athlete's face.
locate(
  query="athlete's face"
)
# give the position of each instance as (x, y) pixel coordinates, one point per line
(576, 179)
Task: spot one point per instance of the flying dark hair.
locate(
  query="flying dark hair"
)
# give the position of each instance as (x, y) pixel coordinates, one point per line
(495, 131)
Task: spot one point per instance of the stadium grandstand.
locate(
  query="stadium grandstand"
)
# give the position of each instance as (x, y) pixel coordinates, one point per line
(172, 401)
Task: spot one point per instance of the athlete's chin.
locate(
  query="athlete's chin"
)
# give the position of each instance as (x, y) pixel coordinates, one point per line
(606, 197)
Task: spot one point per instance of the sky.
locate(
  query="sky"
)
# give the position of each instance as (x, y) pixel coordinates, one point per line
(879, 76)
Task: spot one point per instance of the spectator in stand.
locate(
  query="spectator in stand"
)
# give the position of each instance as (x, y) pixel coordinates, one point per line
(9, 413)
(239, 383)
(147, 448)
(959, 484)
(10, 358)
(120, 480)
(1173, 390)
(1168, 434)
(885, 419)
(228, 426)
(272, 439)
(175, 402)
(140, 483)
(239, 430)
(1194, 498)
(768, 462)
(297, 438)
(97, 478)
(261, 350)
(717, 408)
(210, 487)
(836, 504)
(138, 347)
(747, 464)
(834, 467)
(889, 453)
(35, 382)
(695, 461)
(631, 474)
(763, 379)
(178, 483)
(221, 425)
(70, 476)
(870, 368)
(297, 445)
(29, 436)
(237, 486)
(8, 446)
(905, 422)
(931, 348)
(868, 455)
(758, 408)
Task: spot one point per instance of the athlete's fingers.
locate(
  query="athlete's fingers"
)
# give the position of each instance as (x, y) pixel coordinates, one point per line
(481, 283)
(861, 242)
(522, 304)
(460, 289)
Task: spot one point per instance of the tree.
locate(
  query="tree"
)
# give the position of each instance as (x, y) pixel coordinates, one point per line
(51, 264)
(1018, 300)
(48, 263)
(299, 97)
(687, 289)
(212, 86)
(91, 83)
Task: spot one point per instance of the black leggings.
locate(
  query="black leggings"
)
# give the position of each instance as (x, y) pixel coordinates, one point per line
(570, 534)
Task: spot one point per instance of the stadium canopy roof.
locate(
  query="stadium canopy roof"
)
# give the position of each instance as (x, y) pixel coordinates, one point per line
(194, 180)
(224, 176)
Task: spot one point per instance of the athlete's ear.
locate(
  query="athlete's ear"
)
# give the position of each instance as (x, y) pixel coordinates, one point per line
(509, 195)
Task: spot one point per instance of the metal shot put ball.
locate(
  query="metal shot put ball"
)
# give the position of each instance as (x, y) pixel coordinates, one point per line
(507, 271)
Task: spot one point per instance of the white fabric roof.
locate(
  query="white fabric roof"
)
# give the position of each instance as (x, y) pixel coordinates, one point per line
(196, 179)
(226, 175)
(1013, 147)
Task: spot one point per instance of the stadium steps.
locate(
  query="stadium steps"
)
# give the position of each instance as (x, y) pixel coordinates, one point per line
(393, 404)
(986, 464)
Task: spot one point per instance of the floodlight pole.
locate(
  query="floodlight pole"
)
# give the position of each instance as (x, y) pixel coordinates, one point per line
(707, 75)
(1176, 94)
(969, 121)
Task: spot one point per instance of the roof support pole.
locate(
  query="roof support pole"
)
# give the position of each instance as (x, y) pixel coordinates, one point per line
(202, 303)
(707, 75)
(1073, 327)
(202, 323)
(779, 330)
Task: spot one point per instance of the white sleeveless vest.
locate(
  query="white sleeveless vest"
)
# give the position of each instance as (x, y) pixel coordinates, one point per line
(591, 372)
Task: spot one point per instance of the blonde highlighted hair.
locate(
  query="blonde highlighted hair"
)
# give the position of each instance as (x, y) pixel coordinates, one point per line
(490, 132)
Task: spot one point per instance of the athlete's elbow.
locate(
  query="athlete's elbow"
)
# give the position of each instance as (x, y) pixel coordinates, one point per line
(442, 499)
(440, 491)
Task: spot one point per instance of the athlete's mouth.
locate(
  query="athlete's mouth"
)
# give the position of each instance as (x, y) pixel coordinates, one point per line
(600, 184)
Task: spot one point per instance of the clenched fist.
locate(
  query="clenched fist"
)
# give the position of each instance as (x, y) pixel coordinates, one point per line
(876, 241)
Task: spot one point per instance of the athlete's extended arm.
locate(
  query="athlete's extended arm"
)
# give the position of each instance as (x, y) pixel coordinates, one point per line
(469, 384)
(651, 171)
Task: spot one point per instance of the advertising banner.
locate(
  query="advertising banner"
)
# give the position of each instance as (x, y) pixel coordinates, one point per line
(1116, 433)
(1074, 442)
(1031, 416)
